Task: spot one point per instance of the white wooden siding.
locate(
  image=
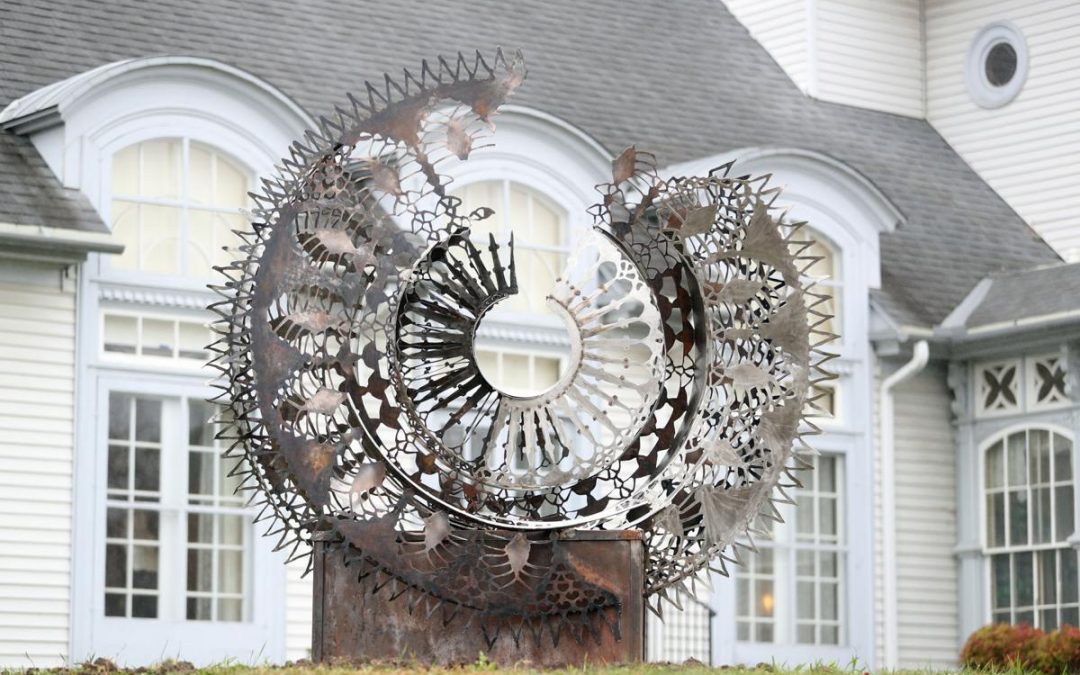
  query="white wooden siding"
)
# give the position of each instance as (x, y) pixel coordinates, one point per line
(869, 54)
(298, 600)
(1026, 150)
(925, 522)
(37, 367)
(781, 27)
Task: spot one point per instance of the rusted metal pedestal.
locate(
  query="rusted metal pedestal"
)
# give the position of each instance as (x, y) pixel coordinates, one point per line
(351, 623)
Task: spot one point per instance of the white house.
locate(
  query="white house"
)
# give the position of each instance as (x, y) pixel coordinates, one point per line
(931, 145)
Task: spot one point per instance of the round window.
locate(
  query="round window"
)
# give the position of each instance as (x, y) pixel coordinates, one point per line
(996, 65)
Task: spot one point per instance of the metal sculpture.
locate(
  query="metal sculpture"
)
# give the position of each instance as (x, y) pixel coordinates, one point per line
(356, 404)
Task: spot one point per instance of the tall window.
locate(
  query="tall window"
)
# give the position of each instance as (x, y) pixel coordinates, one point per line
(791, 591)
(1028, 486)
(175, 203)
(177, 537)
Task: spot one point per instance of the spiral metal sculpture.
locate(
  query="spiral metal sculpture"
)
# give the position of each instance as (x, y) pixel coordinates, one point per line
(356, 404)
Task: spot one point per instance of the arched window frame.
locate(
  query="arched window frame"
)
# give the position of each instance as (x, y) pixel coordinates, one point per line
(1065, 546)
(848, 211)
(92, 116)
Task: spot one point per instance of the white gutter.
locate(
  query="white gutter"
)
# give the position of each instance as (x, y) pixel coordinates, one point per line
(888, 496)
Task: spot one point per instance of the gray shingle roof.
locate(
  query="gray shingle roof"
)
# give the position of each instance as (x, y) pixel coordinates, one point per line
(684, 80)
(1019, 298)
(30, 194)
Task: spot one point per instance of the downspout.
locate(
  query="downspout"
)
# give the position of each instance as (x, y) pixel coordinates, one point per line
(920, 356)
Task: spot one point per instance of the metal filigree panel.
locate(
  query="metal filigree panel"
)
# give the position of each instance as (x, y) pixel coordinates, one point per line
(347, 339)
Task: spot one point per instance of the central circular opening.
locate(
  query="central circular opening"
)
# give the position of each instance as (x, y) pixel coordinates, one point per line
(523, 372)
(1000, 64)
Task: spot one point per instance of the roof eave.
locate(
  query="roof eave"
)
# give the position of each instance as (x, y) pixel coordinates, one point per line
(54, 244)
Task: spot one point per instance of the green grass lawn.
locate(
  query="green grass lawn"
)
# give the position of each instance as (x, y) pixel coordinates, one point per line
(104, 667)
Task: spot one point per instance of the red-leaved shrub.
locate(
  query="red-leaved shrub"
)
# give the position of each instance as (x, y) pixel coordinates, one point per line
(1058, 652)
(1001, 646)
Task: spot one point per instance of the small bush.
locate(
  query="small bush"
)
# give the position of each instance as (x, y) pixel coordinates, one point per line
(1058, 652)
(1001, 647)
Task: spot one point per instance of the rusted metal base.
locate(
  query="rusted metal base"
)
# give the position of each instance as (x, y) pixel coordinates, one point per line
(352, 623)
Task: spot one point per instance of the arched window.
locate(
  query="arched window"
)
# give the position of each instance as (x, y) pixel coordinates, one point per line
(175, 204)
(1029, 502)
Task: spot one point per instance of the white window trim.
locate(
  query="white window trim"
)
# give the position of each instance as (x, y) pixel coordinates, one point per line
(206, 641)
(985, 592)
(851, 212)
(982, 92)
(239, 115)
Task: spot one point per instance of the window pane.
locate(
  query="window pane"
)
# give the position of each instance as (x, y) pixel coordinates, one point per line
(1041, 518)
(230, 184)
(1062, 458)
(829, 567)
(159, 239)
(1065, 513)
(158, 337)
(231, 530)
(1069, 576)
(116, 526)
(148, 420)
(200, 528)
(1018, 518)
(765, 598)
(995, 465)
(805, 634)
(830, 609)
(125, 171)
(125, 230)
(827, 521)
(1002, 581)
(995, 512)
(200, 473)
(200, 430)
(200, 569)
(830, 635)
(144, 606)
(115, 604)
(742, 597)
(144, 567)
(1023, 580)
(119, 416)
(205, 230)
(805, 600)
(147, 469)
(146, 524)
(763, 632)
(121, 334)
(118, 467)
(161, 168)
(1047, 577)
(1017, 460)
(231, 572)
(194, 337)
(1039, 455)
(825, 469)
(199, 609)
(230, 609)
(116, 565)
